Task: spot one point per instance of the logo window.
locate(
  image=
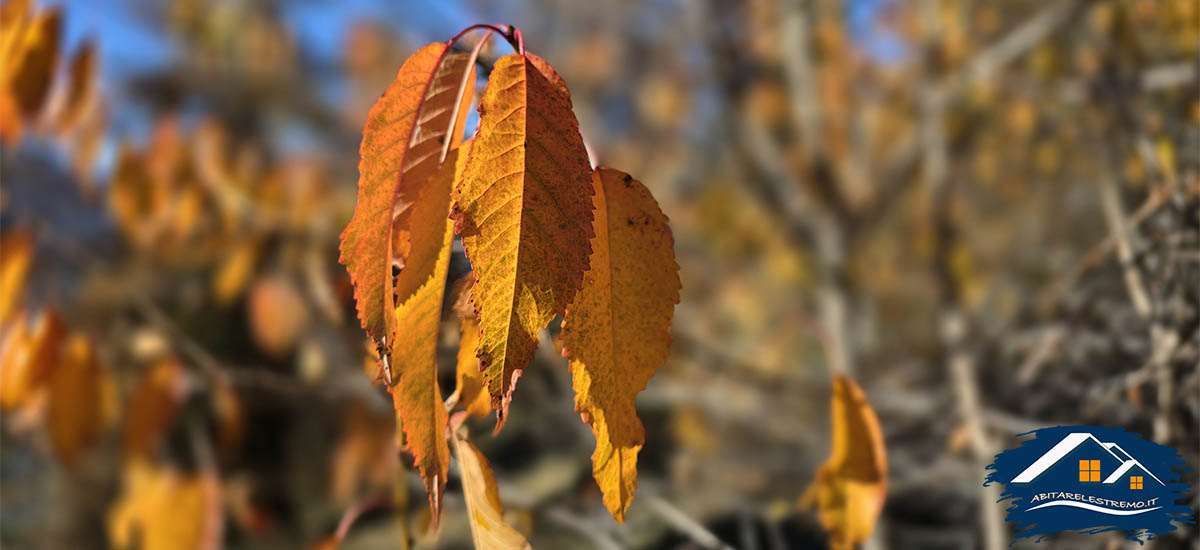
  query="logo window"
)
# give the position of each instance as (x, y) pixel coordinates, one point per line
(1089, 471)
(1135, 482)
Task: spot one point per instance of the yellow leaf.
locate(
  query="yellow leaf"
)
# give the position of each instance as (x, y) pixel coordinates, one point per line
(486, 515)
(235, 271)
(523, 208)
(16, 256)
(76, 414)
(403, 140)
(420, 288)
(850, 488)
(164, 509)
(616, 332)
(470, 389)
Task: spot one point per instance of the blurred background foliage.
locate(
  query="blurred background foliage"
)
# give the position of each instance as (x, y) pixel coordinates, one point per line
(985, 211)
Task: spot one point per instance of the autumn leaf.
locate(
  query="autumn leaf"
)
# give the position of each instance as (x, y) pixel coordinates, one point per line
(27, 365)
(162, 508)
(130, 195)
(367, 451)
(277, 313)
(80, 86)
(76, 415)
(850, 488)
(13, 347)
(616, 331)
(372, 367)
(420, 288)
(332, 542)
(486, 515)
(402, 146)
(152, 407)
(14, 17)
(470, 392)
(230, 415)
(28, 58)
(16, 256)
(523, 208)
(236, 268)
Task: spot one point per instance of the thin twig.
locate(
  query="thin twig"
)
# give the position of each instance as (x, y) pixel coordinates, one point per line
(1018, 41)
(1115, 218)
(208, 365)
(1048, 342)
(356, 510)
(1096, 255)
(1169, 75)
(684, 523)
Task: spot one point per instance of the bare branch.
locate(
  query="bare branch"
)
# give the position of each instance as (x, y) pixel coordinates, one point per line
(685, 524)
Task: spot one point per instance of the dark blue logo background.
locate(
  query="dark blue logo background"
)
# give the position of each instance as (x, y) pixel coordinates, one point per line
(1083, 478)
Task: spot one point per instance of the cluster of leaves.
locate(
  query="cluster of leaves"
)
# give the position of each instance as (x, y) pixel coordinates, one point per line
(185, 203)
(590, 245)
(47, 376)
(546, 234)
(52, 379)
(32, 93)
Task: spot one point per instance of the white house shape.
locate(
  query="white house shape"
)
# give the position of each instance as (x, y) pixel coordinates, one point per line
(1117, 450)
(1068, 444)
(1129, 464)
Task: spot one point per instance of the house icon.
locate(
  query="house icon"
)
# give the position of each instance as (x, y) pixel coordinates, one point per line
(1094, 457)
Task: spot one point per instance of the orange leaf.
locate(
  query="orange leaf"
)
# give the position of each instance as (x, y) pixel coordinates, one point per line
(367, 451)
(132, 197)
(29, 56)
(850, 488)
(16, 256)
(523, 208)
(616, 332)
(484, 510)
(75, 416)
(28, 364)
(80, 86)
(230, 415)
(14, 343)
(402, 145)
(278, 314)
(420, 288)
(14, 17)
(152, 407)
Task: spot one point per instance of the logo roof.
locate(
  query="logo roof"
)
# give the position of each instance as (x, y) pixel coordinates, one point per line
(1070, 443)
